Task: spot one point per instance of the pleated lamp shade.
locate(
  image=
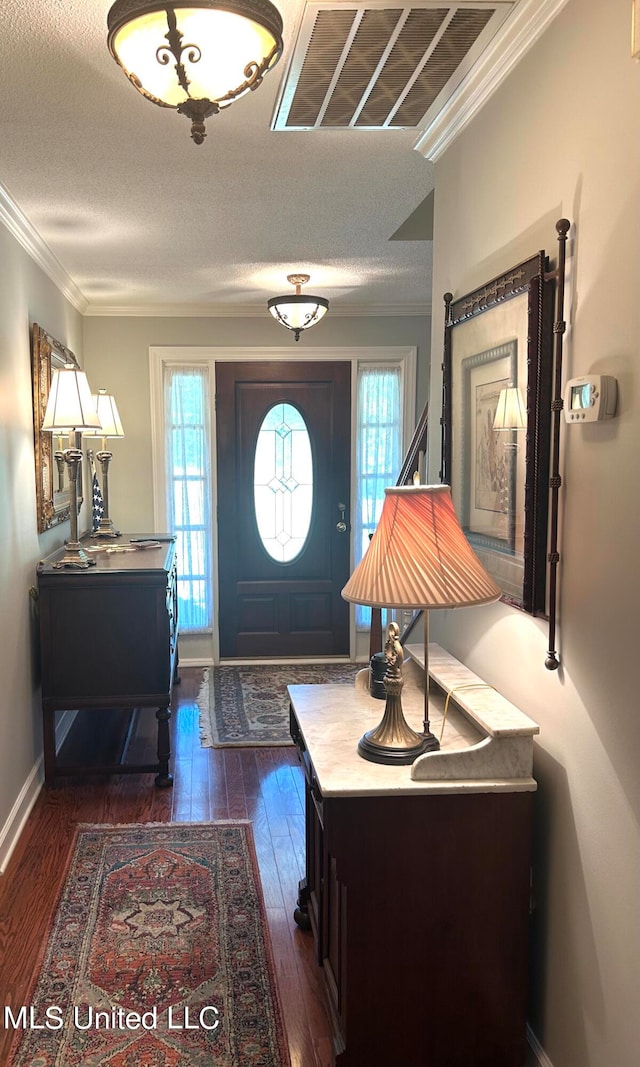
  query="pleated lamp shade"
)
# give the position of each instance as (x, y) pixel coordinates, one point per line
(419, 556)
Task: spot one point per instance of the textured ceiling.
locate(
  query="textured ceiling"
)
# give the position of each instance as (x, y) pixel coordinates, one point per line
(140, 217)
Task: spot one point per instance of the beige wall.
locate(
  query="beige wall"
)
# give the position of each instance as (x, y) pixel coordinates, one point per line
(26, 296)
(562, 138)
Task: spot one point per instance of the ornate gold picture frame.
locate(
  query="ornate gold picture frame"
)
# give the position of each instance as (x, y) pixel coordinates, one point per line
(53, 497)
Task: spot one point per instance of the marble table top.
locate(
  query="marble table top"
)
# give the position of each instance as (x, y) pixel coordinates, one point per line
(478, 753)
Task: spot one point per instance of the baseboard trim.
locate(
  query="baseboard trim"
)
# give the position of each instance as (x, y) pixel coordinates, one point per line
(266, 662)
(539, 1056)
(19, 813)
(13, 827)
(304, 661)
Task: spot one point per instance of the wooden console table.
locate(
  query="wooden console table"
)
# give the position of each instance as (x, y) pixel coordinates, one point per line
(109, 639)
(417, 891)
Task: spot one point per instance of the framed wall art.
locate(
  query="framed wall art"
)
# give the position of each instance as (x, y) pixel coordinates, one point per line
(496, 424)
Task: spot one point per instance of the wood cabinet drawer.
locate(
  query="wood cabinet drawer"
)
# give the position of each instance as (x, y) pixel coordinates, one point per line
(108, 635)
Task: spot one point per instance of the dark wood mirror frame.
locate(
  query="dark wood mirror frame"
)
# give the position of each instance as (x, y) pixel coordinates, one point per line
(53, 497)
(527, 481)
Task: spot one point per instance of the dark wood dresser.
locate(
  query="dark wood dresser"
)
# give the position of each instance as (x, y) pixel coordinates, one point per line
(417, 892)
(109, 639)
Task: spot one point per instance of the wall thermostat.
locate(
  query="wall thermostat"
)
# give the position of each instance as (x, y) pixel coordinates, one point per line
(591, 398)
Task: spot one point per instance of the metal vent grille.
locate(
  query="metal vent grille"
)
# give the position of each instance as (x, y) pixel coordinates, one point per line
(372, 66)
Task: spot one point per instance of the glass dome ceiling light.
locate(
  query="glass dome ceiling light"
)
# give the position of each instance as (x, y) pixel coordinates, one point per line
(295, 311)
(197, 56)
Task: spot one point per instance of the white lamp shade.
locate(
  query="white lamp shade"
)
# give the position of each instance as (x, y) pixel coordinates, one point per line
(419, 556)
(70, 405)
(110, 423)
(511, 413)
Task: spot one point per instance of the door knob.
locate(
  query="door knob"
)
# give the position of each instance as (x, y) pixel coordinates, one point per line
(341, 526)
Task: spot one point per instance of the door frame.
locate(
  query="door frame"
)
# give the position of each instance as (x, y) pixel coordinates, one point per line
(202, 649)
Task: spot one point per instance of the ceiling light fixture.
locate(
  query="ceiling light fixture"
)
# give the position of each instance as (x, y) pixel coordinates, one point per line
(295, 311)
(197, 56)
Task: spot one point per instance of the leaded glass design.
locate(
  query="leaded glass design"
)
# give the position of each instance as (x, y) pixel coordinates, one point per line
(283, 482)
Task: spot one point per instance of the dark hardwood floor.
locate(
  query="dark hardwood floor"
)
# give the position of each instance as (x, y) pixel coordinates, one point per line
(264, 785)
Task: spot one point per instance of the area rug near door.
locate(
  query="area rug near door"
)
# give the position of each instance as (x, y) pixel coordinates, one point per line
(158, 955)
(243, 706)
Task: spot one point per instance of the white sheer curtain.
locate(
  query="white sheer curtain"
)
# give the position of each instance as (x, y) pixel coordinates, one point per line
(378, 454)
(188, 481)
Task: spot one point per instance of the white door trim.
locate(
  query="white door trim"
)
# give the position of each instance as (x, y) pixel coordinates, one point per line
(193, 355)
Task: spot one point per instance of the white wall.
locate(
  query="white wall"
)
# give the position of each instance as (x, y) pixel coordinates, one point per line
(562, 138)
(26, 296)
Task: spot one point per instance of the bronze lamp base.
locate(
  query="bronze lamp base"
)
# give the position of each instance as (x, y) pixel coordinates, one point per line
(393, 741)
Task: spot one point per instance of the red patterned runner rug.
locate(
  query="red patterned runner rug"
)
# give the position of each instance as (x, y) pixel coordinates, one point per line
(158, 956)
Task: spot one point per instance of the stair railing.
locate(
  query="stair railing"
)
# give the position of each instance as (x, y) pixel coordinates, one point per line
(410, 464)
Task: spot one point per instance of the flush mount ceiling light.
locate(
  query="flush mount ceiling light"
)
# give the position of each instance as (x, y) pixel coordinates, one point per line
(197, 56)
(295, 311)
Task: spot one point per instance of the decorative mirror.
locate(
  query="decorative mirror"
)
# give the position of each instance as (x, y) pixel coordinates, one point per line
(496, 424)
(53, 496)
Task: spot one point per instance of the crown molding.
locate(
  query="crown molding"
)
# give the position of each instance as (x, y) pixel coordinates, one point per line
(520, 31)
(18, 225)
(246, 311)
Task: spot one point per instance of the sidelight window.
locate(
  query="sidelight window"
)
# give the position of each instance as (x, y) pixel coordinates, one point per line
(187, 452)
(378, 454)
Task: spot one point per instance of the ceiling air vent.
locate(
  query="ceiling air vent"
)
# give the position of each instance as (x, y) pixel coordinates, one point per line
(379, 66)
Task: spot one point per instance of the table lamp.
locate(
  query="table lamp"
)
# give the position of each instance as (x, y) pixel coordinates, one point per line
(71, 410)
(110, 426)
(418, 558)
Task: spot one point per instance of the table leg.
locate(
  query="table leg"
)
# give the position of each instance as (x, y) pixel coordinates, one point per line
(163, 778)
(301, 914)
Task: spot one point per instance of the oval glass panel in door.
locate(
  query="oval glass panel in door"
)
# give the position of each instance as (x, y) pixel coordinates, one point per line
(283, 482)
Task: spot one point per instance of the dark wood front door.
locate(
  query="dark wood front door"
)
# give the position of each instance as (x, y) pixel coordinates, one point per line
(270, 606)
